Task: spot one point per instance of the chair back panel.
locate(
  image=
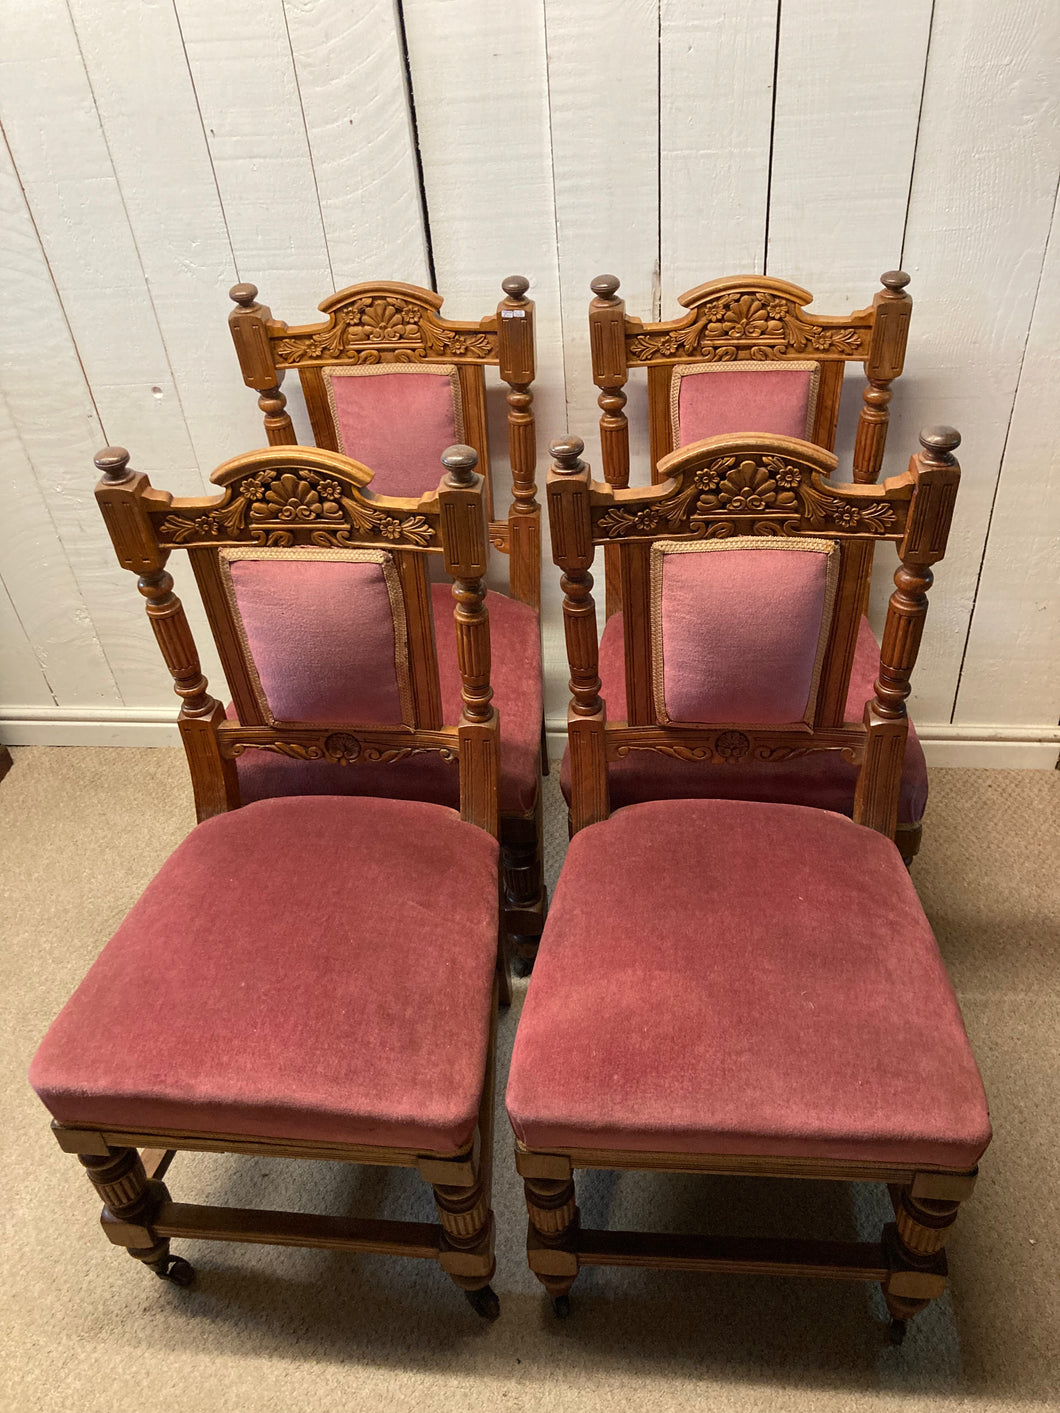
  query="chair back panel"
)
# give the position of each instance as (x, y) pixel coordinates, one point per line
(718, 399)
(742, 577)
(739, 629)
(324, 634)
(394, 419)
(374, 378)
(737, 323)
(318, 598)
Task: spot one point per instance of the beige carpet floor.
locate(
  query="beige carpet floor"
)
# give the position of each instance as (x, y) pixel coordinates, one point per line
(82, 831)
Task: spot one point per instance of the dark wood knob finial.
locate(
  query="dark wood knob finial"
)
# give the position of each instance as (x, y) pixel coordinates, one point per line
(894, 279)
(460, 461)
(515, 286)
(566, 453)
(112, 462)
(243, 295)
(941, 440)
(605, 286)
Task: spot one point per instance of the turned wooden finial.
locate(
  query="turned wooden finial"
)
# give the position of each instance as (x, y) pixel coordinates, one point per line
(460, 461)
(515, 286)
(113, 462)
(566, 453)
(605, 286)
(894, 279)
(939, 442)
(243, 295)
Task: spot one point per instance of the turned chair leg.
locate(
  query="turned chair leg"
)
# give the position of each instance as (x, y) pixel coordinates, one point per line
(908, 837)
(551, 1237)
(467, 1245)
(129, 1202)
(914, 1244)
(525, 899)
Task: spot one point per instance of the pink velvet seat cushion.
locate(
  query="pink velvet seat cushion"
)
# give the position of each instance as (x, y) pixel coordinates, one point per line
(823, 780)
(273, 981)
(516, 676)
(763, 983)
(716, 401)
(397, 424)
(321, 635)
(739, 631)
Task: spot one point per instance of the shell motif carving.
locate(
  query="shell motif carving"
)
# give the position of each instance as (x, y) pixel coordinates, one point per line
(384, 330)
(742, 487)
(281, 508)
(748, 325)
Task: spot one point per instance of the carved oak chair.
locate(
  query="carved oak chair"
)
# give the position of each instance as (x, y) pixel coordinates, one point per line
(747, 358)
(388, 382)
(268, 992)
(761, 993)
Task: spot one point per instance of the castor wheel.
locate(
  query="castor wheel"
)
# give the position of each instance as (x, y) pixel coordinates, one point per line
(177, 1270)
(484, 1302)
(896, 1332)
(561, 1306)
(522, 966)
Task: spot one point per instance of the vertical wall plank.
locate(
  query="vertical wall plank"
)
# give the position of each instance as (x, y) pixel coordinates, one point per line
(351, 77)
(41, 589)
(713, 154)
(143, 92)
(239, 54)
(489, 188)
(56, 429)
(849, 84)
(50, 120)
(979, 217)
(603, 77)
(1011, 672)
(22, 679)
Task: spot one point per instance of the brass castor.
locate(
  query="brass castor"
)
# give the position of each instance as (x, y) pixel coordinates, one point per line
(175, 1269)
(561, 1306)
(896, 1331)
(484, 1302)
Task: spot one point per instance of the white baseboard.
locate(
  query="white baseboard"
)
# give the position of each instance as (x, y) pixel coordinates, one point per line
(999, 747)
(89, 726)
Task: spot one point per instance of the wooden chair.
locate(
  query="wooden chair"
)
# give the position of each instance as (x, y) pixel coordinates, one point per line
(268, 993)
(743, 988)
(388, 381)
(746, 357)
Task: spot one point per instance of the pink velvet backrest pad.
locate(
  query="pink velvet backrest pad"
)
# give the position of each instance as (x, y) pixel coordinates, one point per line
(719, 401)
(322, 639)
(397, 424)
(739, 633)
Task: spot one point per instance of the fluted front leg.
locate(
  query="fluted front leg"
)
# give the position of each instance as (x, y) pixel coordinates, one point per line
(915, 1248)
(129, 1202)
(466, 1255)
(550, 1239)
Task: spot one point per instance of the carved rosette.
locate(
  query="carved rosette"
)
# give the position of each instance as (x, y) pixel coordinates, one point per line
(384, 330)
(748, 495)
(731, 747)
(281, 508)
(340, 748)
(748, 324)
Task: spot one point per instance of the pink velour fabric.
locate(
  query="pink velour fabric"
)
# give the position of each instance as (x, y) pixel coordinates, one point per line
(740, 630)
(516, 677)
(272, 982)
(321, 634)
(823, 780)
(764, 400)
(764, 983)
(398, 425)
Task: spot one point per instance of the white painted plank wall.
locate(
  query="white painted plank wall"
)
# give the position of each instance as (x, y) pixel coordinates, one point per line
(158, 150)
